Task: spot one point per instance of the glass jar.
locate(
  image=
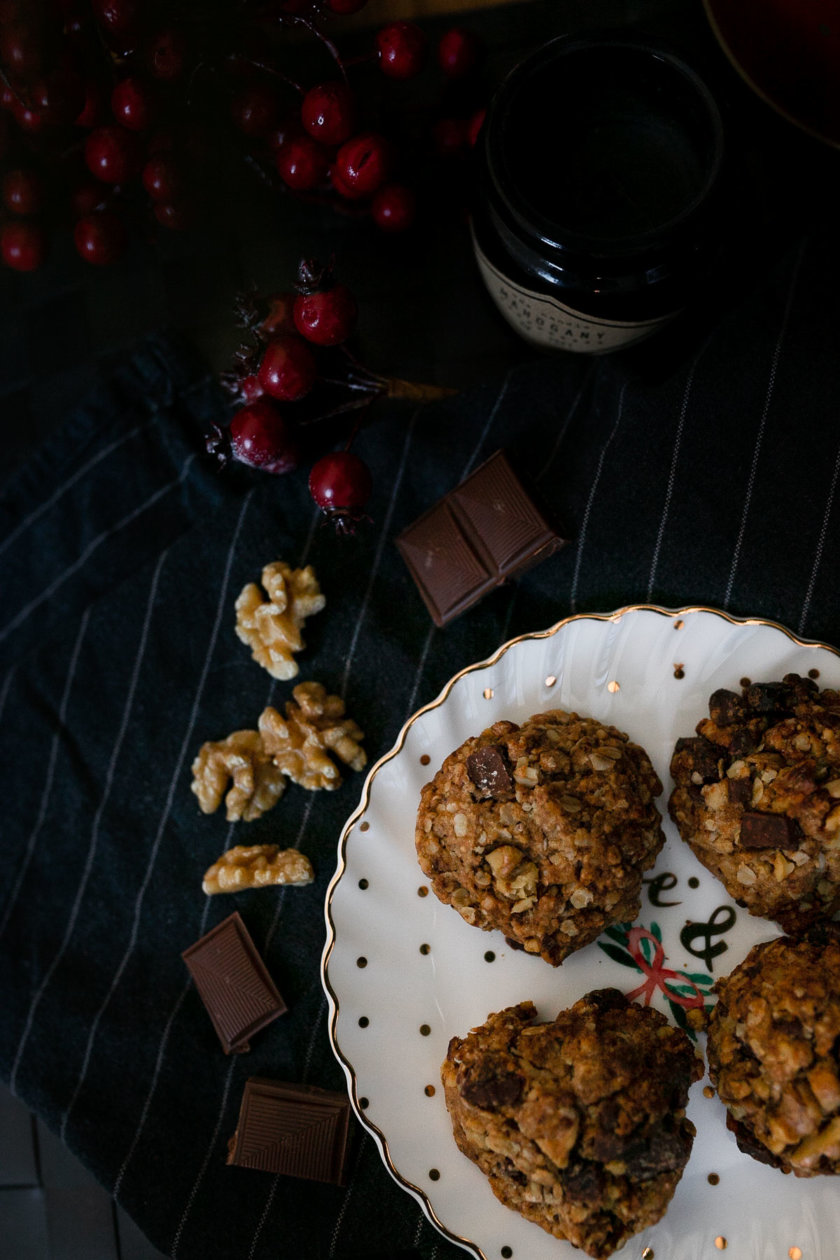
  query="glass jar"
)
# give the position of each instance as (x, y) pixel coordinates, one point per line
(599, 172)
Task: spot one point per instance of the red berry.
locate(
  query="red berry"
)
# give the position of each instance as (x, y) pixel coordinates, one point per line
(458, 52)
(166, 54)
(161, 178)
(119, 17)
(132, 104)
(111, 154)
(20, 48)
(327, 112)
(288, 369)
(23, 191)
(174, 215)
(302, 163)
(51, 101)
(250, 388)
(100, 238)
(327, 317)
(401, 47)
(345, 6)
(341, 484)
(23, 245)
(361, 165)
(255, 109)
(393, 208)
(261, 437)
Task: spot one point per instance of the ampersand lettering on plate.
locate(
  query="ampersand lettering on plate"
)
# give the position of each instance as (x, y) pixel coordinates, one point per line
(721, 921)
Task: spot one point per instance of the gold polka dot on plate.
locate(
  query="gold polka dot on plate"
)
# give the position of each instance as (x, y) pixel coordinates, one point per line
(613, 685)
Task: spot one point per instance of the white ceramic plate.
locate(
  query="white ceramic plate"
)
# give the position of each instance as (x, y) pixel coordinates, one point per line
(404, 973)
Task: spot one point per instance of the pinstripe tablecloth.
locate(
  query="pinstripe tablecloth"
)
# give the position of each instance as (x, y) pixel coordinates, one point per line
(700, 468)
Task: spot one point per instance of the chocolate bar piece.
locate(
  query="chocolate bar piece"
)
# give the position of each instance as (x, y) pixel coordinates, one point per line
(233, 983)
(483, 532)
(296, 1130)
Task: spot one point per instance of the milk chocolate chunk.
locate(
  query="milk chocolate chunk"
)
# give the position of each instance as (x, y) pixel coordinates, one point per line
(486, 530)
(768, 831)
(294, 1130)
(233, 983)
(488, 769)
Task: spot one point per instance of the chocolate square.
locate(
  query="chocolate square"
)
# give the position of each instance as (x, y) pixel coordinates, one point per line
(486, 530)
(233, 983)
(294, 1130)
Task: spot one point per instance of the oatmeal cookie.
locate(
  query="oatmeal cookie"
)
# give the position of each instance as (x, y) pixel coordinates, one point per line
(757, 797)
(542, 830)
(773, 1041)
(579, 1124)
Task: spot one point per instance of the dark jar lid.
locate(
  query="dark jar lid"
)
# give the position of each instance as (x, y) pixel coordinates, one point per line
(601, 159)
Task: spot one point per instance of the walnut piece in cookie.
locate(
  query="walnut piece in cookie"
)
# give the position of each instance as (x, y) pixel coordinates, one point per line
(314, 726)
(256, 866)
(269, 620)
(772, 1045)
(579, 1124)
(542, 830)
(757, 798)
(256, 783)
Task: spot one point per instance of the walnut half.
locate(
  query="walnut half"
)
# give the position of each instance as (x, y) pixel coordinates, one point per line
(241, 761)
(314, 727)
(272, 626)
(256, 866)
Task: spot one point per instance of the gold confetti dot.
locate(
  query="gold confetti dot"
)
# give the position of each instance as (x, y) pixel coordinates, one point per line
(679, 623)
(434, 1175)
(551, 680)
(647, 1254)
(613, 685)
(708, 1092)
(795, 1253)
(488, 693)
(746, 682)
(429, 1091)
(422, 891)
(425, 759)
(721, 1243)
(365, 826)
(713, 1179)
(812, 673)
(679, 670)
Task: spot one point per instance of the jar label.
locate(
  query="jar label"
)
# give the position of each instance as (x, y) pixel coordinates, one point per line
(548, 323)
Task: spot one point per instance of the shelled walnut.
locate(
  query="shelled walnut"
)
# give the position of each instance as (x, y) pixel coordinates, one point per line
(314, 727)
(272, 626)
(241, 760)
(256, 866)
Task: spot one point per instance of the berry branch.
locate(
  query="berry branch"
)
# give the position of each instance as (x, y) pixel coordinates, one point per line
(295, 374)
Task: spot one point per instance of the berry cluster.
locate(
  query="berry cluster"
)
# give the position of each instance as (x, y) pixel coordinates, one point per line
(296, 384)
(107, 108)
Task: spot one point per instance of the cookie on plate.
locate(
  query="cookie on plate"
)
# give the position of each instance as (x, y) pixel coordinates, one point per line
(542, 830)
(579, 1124)
(757, 797)
(772, 1045)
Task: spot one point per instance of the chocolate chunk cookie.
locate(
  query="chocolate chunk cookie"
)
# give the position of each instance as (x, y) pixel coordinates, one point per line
(542, 830)
(774, 1052)
(579, 1124)
(757, 798)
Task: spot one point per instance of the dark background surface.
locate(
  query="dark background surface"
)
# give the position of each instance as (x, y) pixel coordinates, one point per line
(701, 468)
